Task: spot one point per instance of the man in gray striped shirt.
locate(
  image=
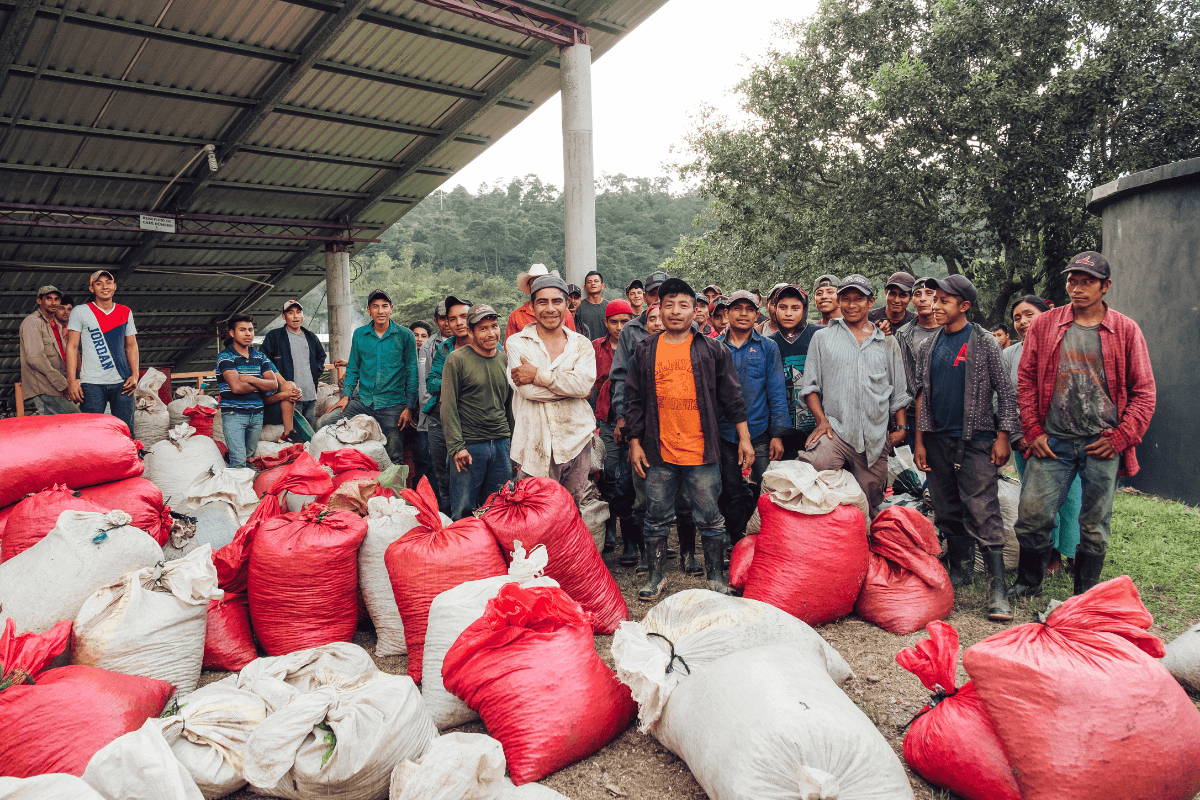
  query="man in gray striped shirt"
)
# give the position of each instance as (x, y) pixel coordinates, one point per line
(854, 379)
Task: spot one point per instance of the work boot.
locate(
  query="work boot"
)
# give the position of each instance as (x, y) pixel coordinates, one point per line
(1087, 570)
(960, 560)
(1031, 569)
(714, 564)
(610, 535)
(656, 557)
(631, 543)
(687, 548)
(998, 608)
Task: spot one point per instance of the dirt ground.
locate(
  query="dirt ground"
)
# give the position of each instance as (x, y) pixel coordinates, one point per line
(636, 766)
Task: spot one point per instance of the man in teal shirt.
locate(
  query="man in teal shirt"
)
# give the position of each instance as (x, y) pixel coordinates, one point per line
(382, 371)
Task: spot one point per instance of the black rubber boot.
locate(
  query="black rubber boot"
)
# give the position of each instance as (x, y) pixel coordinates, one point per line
(960, 560)
(998, 607)
(631, 543)
(1087, 570)
(657, 557)
(714, 564)
(687, 548)
(610, 535)
(1031, 570)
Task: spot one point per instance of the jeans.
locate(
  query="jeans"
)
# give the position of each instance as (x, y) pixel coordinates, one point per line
(701, 487)
(489, 470)
(98, 395)
(1065, 537)
(439, 464)
(241, 435)
(387, 419)
(740, 495)
(1047, 482)
(616, 482)
(964, 499)
(52, 404)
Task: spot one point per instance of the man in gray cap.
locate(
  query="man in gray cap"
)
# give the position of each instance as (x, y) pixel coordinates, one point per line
(854, 380)
(552, 370)
(43, 356)
(897, 293)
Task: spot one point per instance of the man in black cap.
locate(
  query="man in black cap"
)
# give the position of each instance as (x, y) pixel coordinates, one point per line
(300, 357)
(960, 443)
(825, 297)
(456, 310)
(897, 293)
(43, 355)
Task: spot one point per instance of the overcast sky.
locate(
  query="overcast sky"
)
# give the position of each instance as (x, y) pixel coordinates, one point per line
(647, 91)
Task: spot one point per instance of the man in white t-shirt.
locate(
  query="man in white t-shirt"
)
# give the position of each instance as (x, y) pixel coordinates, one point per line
(104, 332)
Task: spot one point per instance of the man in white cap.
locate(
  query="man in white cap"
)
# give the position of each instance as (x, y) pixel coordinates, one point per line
(105, 332)
(43, 355)
(523, 315)
(300, 357)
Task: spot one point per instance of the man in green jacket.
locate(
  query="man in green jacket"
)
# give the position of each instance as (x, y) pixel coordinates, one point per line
(382, 371)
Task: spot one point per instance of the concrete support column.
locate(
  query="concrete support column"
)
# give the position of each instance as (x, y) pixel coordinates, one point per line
(579, 189)
(339, 300)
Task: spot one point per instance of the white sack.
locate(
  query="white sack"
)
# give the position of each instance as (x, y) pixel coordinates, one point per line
(799, 486)
(53, 786)
(151, 622)
(360, 432)
(1183, 658)
(388, 518)
(140, 766)
(234, 486)
(452, 612)
(208, 734)
(215, 524)
(267, 449)
(85, 551)
(271, 434)
(462, 766)
(696, 627)
(280, 679)
(151, 420)
(181, 459)
(327, 395)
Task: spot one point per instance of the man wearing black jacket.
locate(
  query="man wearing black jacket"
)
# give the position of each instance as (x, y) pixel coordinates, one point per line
(301, 359)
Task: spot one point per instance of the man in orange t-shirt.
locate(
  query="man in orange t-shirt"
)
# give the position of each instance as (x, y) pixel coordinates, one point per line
(680, 385)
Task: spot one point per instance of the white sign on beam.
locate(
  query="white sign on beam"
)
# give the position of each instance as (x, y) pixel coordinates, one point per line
(161, 224)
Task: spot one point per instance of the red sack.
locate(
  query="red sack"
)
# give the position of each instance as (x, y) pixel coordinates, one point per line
(809, 565)
(76, 450)
(55, 720)
(272, 467)
(201, 418)
(228, 640)
(529, 667)
(906, 586)
(952, 743)
(540, 511)
(430, 559)
(347, 459)
(139, 498)
(302, 583)
(1084, 708)
(31, 519)
(740, 560)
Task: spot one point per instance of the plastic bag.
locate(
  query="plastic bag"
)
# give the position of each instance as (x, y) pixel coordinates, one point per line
(86, 550)
(540, 511)
(387, 520)
(452, 612)
(740, 560)
(951, 742)
(47, 787)
(178, 461)
(140, 766)
(906, 585)
(462, 766)
(36, 453)
(434, 557)
(361, 432)
(811, 566)
(1084, 708)
(36, 515)
(140, 499)
(1183, 658)
(152, 622)
(303, 579)
(151, 420)
(208, 734)
(529, 667)
(228, 639)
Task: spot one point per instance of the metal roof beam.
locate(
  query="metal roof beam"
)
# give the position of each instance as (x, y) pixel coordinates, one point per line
(517, 17)
(71, 241)
(17, 30)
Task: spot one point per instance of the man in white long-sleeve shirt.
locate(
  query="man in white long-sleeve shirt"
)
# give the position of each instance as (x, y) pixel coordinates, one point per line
(552, 370)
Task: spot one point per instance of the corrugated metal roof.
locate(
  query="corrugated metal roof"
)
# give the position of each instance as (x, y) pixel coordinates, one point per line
(107, 99)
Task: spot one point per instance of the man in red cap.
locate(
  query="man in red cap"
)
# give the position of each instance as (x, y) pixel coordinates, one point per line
(616, 484)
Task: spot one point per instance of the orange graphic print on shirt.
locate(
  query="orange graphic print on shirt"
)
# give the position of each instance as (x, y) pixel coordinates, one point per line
(681, 440)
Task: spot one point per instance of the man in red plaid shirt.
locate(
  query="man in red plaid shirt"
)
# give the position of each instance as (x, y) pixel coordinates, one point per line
(1086, 394)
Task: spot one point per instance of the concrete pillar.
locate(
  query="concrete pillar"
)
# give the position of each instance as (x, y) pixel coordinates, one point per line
(339, 300)
(579, 189)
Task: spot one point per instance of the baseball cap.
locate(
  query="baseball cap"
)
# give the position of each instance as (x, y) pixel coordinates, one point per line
(858, 282)
(902, 281)
(549, 282)
(572, 289)
(440, 309)
(956, 285)
(739, 295)
(48, 289)
(714, 287)
(923, 283)
(100, 273)
(379, 294)
(287, 304)
(452, 301)
(479, 313)
(701, 297)
(721, 302)
(634, 284)
(793, 289)
(615, 307)
(656, 279)
(1092, 263)
(826, 280)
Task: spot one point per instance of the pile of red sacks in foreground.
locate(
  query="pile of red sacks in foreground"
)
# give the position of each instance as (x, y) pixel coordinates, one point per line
(1076, 708)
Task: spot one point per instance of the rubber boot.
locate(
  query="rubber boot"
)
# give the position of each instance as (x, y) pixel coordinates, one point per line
(1087, 570)
(998, 608)
(657, 557)
(610, 535)
(960, 560)
(1031, 570)
(631, 543)
(687, 548)
(714, 564)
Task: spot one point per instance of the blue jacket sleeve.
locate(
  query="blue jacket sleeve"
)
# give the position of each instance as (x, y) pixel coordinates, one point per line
(781, 418)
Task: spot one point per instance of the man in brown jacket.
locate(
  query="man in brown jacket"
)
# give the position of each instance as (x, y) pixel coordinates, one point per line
(43, 358)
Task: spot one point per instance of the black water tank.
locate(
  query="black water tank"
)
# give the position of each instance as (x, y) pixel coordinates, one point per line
(1152, 238)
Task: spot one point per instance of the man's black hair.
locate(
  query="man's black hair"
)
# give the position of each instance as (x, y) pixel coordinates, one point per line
(595, 272)
(233, 321)
(66, 300)
(1033, 300)
(673, 286)
(422, 324)
(1004, 328)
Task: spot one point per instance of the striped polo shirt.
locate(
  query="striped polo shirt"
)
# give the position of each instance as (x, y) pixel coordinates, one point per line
(255, 364)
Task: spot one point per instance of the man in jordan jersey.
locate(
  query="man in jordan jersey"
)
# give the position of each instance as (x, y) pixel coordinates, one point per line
(103, 331)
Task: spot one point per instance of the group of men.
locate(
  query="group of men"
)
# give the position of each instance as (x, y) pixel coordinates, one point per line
(693, 395)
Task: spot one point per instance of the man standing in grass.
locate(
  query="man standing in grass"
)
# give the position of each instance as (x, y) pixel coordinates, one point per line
(104, 330)
(244, 376)
(915, 333)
